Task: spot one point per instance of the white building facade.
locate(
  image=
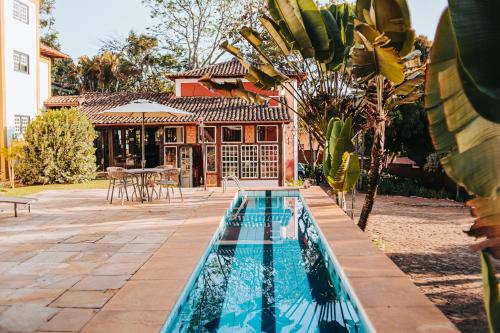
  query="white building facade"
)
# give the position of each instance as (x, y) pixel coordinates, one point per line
(25, 68)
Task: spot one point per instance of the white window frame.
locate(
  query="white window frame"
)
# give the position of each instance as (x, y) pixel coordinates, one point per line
(206, 158)
(200, 136)
(247, 161)
(21, 12)
(21, 122)
(277, 133)
(265, 163)
(234, 148)
(231, 142)
(176, 155)
(18, 63)
(173, 143)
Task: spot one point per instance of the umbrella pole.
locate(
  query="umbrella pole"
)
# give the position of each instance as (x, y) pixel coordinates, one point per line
(143, 153)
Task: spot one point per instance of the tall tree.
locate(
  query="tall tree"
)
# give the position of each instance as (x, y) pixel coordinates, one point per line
(194, 29)
(49, 35)
(146, 66)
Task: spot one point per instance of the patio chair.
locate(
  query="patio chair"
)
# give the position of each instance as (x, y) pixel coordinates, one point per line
(170, 179)
(118, 178)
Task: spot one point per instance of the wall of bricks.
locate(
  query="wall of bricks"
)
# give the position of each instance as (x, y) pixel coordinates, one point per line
(191, 134)
(249, 134)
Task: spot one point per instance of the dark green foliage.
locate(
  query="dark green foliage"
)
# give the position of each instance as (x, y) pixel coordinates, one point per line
(60, 149)
(391, 185)
(408, 133)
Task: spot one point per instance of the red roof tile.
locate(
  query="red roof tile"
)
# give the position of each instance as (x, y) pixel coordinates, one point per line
(52, 53)
(228, 69)
(209, 109)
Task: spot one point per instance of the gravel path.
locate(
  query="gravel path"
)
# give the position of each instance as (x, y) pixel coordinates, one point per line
(425, 239)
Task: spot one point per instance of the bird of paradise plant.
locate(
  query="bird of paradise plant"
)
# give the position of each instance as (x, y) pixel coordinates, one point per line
(462, 98)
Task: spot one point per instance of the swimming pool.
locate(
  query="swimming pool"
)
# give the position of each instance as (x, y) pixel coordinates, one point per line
(267, 270)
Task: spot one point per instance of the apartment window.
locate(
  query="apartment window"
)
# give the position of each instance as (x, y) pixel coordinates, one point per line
(170, 157)
(229, 156)
(211, 159)
(20, 125)
(269, 161)
(267, 133)
(208, 132)
(21, 12)
(21, 62)
(232, 134)
(174, 134)
(249, 161)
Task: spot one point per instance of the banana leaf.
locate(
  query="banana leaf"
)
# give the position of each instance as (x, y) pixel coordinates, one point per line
(316, 30)
(254, 39)
(370, 59)
(275, 32)
(290, 13)
(278, 19)
(337, 47)
(233, 90)
(491, 293)
(392, 17)
(470, 141)
(477, 34)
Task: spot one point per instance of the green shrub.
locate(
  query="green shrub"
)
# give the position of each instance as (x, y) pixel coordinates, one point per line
(60, 149)
(391, 185)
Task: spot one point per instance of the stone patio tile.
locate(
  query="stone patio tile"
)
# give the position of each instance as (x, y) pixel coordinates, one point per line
(17, 255)
(25, 317)
(146, 295)
(51, 257)
(68, 320)
(173, 268)
(91, 256)
(56, 281)
(70, 247)
(14, 281)
(83, 299)
(139, 248)
(103, 247)
(353, 247)
(33, 268)
(91, 238)
(117, 239)
(387, 292)
(126, 322)
(123, 268)
(372, 265)
(101, 282)
(170, 251)
(5, 266)
(151, 239)
(29, 295)
(344, 232)
(75, 268)
(425, 319)
(124, 257)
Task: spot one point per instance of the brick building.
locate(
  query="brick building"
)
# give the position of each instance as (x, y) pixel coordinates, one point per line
(257, 143)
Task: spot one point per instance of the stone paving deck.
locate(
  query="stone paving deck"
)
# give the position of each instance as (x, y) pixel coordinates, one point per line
(390, 300)
(79, 264)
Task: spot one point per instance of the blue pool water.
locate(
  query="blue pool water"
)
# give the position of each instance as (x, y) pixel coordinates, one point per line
(267, 270)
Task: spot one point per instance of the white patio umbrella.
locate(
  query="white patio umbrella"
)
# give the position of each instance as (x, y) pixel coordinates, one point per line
(143, 108)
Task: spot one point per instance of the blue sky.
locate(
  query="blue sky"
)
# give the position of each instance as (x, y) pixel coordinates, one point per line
(83, 24)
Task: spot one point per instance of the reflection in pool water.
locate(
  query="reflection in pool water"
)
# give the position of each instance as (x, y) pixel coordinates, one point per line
(267, 271)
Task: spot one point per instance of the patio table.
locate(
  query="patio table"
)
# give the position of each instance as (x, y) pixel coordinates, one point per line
(145, 175)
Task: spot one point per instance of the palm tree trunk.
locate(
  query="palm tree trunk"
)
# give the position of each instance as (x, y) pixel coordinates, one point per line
(377, 157)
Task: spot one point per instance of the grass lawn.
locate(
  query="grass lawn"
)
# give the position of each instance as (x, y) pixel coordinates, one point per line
(28, 190)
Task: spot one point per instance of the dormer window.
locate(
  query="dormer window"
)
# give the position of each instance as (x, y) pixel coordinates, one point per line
(21, 12)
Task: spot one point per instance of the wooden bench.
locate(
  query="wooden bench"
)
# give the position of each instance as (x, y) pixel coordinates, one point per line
(18, 201)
